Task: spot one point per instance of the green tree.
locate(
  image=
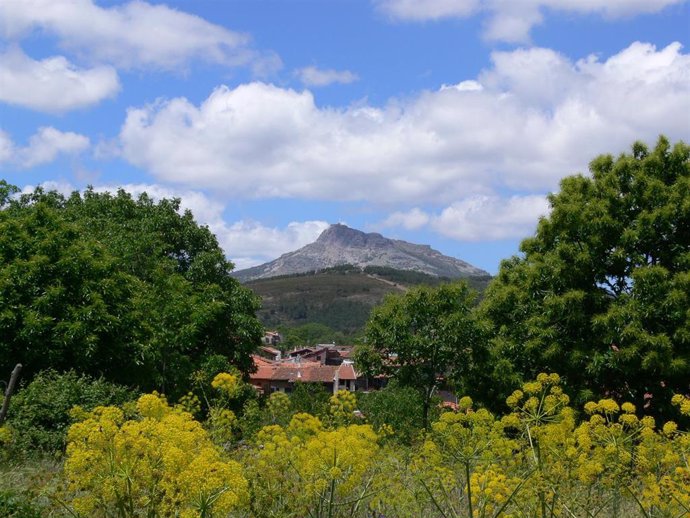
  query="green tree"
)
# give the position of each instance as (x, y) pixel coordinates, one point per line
(312, 333)
(395, 406)
(425, 337)
(310, 398)
(108, 285)
(601, 293)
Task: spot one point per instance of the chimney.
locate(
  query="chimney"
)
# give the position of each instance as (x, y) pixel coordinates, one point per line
(336, 380)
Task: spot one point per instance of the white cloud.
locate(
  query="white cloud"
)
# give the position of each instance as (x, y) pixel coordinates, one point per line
(464, 86)
(132, 35)
(251, 243)
(488, 218)
(512, 20)
(43, 147)
(53, 84)
(537, 117)
(6, 147)
(411, 220)
(312, 76)
(61, 186)
(420, 10)
(477, 218)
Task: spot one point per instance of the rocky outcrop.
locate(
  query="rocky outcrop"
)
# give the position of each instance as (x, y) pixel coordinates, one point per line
(339, 245)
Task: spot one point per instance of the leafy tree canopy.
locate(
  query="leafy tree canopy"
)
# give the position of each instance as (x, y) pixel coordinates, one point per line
(312, 333)
(423, 338)
(602, 291)
(109, 285)
(395, 406)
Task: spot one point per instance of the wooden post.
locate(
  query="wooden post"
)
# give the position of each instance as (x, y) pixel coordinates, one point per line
(8, 393)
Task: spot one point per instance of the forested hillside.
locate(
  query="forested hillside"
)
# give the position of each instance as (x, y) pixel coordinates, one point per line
(340, 298)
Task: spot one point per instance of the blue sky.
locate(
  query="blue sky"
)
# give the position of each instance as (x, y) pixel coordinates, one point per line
(443, 122)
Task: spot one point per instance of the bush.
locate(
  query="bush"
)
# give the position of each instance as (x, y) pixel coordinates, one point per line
(39, 413)
(16, 505)
(395, 406)
(310, 398)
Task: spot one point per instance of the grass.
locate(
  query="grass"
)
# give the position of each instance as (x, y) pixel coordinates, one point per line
(27, 486)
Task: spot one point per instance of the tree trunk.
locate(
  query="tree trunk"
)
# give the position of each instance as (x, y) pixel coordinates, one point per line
(426, 403)
(8, 393)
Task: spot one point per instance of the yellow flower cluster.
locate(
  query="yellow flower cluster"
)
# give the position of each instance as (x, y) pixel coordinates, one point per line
(342, 406)
(304, 469)
(538, 462)
(222, 424)
(304, 425)
(334, 462)
(278, 407)
(227, 383)
(190, 403)
(5, 436)
(541, 460)
(682, 402)
(161, 464)
(490, 490)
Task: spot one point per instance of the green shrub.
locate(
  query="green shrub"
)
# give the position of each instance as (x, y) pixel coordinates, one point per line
(16, 505)
(396, 406)
(311, 398)
(39, 413)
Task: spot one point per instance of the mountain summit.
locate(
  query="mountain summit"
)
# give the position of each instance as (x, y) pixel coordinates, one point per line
(340, 244)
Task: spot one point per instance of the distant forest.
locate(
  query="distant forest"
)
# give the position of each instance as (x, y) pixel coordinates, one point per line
(339, 298)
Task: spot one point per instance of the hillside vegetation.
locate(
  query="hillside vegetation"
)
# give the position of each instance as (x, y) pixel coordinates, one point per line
(340, 298)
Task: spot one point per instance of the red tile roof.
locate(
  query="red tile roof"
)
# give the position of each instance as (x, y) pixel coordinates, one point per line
(307, 372)
(347, 372)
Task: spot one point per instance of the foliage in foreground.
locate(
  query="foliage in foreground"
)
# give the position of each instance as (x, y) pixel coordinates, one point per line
(540, 460)
(39, 411)
(107, 285)
(422, 337)
(602, 292)
(14, 505)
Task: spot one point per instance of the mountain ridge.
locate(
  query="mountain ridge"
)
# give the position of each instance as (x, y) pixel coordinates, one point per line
(340, 245)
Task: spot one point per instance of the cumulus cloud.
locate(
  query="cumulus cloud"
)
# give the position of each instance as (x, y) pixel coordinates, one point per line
(312, 76)
(420, 10)
(132, 35)
(53, 84)
(6, 147)
(251, 243)
(411, 220)
(487, 218)
(532, 118)
(477, 218)
(43, 147)
(512, 20)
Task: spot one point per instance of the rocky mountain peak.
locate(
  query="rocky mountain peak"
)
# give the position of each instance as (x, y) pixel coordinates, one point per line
(342, 235)
(340, 244)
